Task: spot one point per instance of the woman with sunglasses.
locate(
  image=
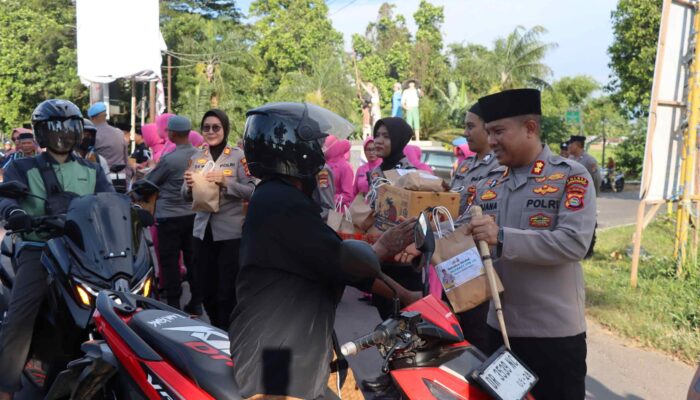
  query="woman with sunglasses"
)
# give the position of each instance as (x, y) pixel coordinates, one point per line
(217, 236)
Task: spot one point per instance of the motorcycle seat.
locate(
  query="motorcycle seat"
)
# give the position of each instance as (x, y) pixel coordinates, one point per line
(199, 350)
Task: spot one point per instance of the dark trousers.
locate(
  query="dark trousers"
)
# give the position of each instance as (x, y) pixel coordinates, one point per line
(405, 276)
(28, 292)
(559, 363)
(474, 327)
(216, 268)
(174, 236)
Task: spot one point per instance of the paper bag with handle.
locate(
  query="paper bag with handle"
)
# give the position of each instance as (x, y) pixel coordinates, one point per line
(458, 264)
(415, 180)
(205, 194)
(339, 219)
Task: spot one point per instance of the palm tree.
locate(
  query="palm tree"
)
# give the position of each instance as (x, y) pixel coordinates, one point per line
(518, 59)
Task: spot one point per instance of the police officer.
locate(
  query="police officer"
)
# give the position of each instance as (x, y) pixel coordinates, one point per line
(543, 209)
(469, 172)
(174, 215)
(290, 280)
(475, 167)
(217, 236)
(58, 125)
(564, 149)
(578, 154)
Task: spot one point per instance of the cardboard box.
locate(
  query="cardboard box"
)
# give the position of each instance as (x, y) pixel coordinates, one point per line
(394, 203)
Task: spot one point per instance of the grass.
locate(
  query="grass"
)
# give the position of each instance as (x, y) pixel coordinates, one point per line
(663, 312)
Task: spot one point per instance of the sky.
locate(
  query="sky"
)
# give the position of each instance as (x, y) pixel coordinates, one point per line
(581, 29)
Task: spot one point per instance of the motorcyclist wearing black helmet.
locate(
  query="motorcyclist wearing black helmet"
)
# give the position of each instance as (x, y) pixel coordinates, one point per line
(290, 281)
(58, 126)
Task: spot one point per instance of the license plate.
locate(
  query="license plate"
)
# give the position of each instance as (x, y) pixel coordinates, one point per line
(504, 376)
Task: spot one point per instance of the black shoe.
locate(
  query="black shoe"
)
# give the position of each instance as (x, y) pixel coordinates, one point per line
(194, 309)
(377, 385)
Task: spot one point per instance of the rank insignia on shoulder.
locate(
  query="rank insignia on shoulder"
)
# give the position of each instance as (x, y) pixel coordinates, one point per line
(556, 176)
(488, 195)
(245, 166)
(538, 167)
(574, 201)
(540, 220)
(227, 150)
(545, 189)
(228, 172)
(322, 179)
(463, 169)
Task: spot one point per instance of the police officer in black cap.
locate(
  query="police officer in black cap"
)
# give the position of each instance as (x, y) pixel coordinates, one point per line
(564, 149)
(578, 153)
(290, 280)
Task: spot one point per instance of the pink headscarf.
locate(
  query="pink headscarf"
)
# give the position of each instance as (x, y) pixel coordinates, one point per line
(413, 153)
(462, 152)
(152, 140)
(361, 185)
(334, 152)
(162, 124)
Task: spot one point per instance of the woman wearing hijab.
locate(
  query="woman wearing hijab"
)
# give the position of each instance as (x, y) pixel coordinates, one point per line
(361, 183)
(391, 135)
(217, 236)
(413, 153)
(341, 170)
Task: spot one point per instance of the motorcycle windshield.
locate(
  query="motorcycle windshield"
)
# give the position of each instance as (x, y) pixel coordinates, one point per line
(100, 227)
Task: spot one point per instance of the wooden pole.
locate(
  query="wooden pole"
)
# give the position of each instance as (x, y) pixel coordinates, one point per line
(152, 101)
(170, 89)
(491, 275)
(637, 243)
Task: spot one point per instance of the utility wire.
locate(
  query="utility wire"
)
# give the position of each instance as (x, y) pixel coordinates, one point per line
(342, 8)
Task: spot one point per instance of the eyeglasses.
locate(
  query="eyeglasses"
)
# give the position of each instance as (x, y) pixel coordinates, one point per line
(212, 128)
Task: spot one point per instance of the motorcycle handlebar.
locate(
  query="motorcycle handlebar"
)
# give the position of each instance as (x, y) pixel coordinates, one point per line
(364, 342)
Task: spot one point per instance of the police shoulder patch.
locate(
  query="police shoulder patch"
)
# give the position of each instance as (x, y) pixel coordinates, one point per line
(244, 163)
(574, 201)
(322, 178)
(577, 180)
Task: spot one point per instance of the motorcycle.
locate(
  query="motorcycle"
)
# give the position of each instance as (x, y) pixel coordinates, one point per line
(425, 355)
(97, 244)
(612, 180)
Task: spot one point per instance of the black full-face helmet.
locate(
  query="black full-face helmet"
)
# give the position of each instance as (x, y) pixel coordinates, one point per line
(287, 138)
(57, 125)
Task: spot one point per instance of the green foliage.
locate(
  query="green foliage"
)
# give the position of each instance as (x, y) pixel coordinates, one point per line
(518, 59)
(630, 153)
(662, 312)
(38, 58)
(472, 67)
(289, 32)
(633, 53)
(210, 9)
(428, 64)
(454, 103)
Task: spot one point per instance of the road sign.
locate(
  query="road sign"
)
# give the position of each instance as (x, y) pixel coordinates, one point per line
(573, 117)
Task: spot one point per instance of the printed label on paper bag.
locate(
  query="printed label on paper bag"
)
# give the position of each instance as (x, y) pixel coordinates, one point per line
(459, 269)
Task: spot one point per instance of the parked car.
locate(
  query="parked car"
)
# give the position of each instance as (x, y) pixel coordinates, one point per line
(441, 161)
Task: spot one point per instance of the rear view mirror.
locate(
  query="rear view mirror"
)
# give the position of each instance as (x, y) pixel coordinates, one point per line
(13, 190)
(357, 259)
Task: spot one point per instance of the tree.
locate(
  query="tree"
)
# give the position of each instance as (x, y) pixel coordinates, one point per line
(471, 65)
(38, 55)
(633, 53)
(289, 31)
(630, 153)
(210, 9)
(428, 64)
(518, 59)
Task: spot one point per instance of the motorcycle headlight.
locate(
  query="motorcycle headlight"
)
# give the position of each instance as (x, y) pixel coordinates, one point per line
(85, 293)
(144, 287)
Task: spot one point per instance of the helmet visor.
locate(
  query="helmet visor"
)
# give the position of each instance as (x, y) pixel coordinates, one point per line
(62, 135)
(311, 121)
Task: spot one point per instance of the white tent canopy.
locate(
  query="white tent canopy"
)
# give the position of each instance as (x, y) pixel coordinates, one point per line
(119, 39)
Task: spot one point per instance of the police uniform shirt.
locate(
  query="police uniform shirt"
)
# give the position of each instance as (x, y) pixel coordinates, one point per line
(238, 186)
(469, 173)
(547, 212)
(591, 165)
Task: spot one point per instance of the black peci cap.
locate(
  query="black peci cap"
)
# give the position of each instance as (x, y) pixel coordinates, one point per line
(564, 146)
(476, 110)
(577, 138)
(510, 103)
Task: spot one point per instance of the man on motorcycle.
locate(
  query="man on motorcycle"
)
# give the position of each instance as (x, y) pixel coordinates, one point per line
(58, 126)
(290, 280)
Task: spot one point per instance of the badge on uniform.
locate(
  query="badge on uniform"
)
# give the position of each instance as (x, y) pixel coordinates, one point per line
(228, 172)
(574, 201)
(488, 195)
(540, 221)
(545, 189)
(556, 176)
(577, 180)
(463, 169)
(492, 183)
(227, 150)
(245, 166)
(538, 167)
(202, 161)
(541, 179)
(322, 179)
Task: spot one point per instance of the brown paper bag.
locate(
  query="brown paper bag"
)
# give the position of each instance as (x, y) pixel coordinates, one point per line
(361, 213)
(340, 221)
(205, 194)
(415, 180)
(458, 265)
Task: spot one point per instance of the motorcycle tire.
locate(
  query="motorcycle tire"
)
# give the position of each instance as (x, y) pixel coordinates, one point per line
(620, 185)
